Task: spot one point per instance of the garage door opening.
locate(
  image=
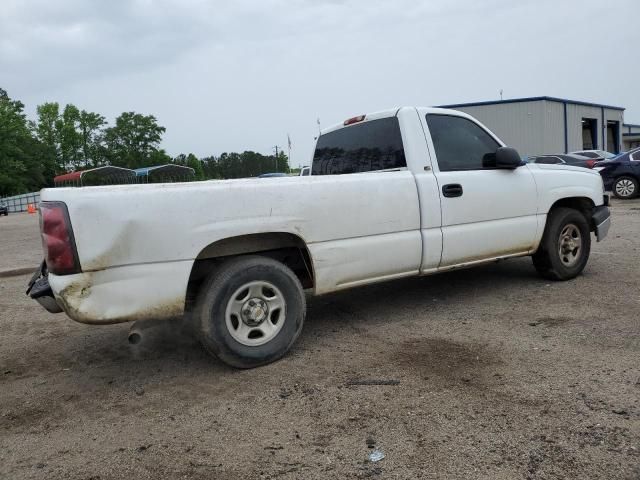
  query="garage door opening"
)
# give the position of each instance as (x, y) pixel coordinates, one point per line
(613, 136)
(589, 134)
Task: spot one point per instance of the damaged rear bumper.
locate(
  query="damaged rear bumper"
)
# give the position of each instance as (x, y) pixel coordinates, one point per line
(40, 290)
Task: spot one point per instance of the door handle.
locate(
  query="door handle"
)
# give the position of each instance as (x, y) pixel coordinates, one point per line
(452, 190)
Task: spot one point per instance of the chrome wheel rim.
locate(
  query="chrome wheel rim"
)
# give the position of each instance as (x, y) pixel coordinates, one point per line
(570, 245)
(625, 187)
(255, 313)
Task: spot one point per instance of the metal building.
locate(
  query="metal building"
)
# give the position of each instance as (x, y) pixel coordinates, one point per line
(543, 125)
(630, 136)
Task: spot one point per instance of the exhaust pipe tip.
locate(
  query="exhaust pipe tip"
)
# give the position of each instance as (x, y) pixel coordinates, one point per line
(135, 338)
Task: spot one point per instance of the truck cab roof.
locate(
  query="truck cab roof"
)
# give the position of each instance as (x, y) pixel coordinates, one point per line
(390, 112)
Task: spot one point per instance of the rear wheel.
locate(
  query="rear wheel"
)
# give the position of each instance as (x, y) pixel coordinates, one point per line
(251, 310)
(625, 187)
(565, 245)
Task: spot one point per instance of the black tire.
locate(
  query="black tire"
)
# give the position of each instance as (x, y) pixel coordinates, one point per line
(548, 260)
(215, 297)
(630, 184)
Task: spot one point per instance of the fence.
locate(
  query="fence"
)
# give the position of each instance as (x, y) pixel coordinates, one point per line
(18, 203)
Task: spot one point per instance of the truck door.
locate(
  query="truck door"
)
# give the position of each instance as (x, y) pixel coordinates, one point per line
(486, 212)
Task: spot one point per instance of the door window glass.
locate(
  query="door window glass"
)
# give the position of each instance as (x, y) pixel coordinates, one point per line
(461, 144)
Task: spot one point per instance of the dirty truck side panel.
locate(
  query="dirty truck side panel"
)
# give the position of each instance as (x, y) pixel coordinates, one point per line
(357, 227)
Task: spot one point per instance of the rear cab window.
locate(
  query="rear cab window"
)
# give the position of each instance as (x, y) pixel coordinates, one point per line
(363, 147)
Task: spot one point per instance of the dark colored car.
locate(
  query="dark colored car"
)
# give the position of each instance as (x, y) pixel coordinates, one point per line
(621, 174)
(271, 175)
(4, 210)
(564, 159)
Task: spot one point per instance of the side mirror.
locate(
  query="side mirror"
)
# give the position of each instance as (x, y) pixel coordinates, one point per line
(507, 157)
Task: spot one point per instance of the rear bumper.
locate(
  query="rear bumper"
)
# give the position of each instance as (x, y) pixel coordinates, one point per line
(40, 290)
(602, 221)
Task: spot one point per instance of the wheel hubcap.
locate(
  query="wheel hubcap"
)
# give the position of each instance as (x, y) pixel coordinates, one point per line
(255, 313)
(625, 187)
(570, 245)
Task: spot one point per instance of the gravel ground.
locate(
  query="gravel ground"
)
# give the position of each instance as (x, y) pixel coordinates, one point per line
(20, 244)
(490, 373)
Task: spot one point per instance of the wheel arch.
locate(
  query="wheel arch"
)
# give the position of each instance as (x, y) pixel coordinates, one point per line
(627, 174)
(584, 205)
(285, 247)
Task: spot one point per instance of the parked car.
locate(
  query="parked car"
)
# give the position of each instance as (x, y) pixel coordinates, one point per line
(4, 209)
(595, 154)
(399, 193)
(621, 175)
(305, 171)
(564, 159)
(271, 175)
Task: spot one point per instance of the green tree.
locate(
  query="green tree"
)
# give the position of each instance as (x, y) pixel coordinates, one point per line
(134, 140)
(210, 167)
(282, 162)
(196, 164)
(45, 129)
(159, 157)
(20, 169)
(91, 135)
(70, 138)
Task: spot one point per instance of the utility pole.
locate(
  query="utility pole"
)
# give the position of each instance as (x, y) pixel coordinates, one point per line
(276, 147)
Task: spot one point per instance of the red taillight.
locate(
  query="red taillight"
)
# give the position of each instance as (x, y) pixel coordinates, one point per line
(352, 120)
(57, 239)
(591, 163)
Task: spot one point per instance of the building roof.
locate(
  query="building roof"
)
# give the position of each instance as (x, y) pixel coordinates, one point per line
(102, 172)
(530, 99)
(168, 169)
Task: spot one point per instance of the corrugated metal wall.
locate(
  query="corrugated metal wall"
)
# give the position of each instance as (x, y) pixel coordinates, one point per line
(519, 125)
(536, 128)
(631, 136)
(575, 114)
(553, 126)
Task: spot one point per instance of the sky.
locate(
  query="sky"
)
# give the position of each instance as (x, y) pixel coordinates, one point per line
(241, 75)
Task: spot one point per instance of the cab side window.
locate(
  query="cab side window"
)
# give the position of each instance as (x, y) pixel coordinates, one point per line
(461, 144)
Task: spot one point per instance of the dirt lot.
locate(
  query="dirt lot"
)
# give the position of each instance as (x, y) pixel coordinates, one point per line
(20, 244)
(491, 373)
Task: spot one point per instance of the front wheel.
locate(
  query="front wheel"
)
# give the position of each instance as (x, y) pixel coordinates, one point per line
(565, 245)
(251, 311)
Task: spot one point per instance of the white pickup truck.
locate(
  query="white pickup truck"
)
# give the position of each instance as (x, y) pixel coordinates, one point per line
(402, 192)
